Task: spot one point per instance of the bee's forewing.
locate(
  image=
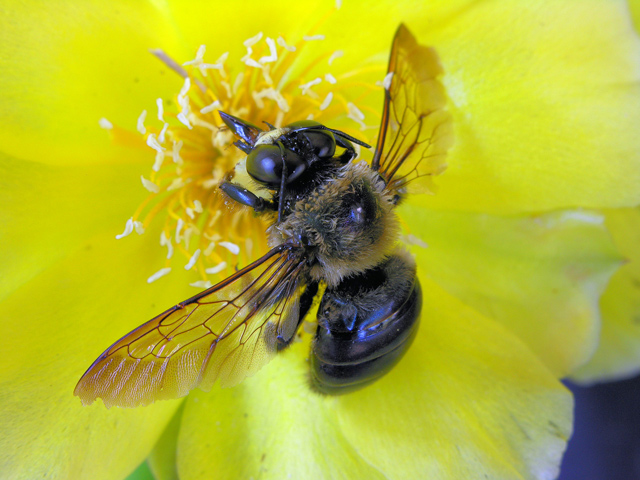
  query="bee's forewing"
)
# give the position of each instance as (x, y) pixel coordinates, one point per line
(225, 333)
(416, 129)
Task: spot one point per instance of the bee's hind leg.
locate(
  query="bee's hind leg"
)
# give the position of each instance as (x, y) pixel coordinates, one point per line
(245, 197)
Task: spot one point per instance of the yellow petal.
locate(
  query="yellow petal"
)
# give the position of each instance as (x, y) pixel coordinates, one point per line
(141, 473)
(162, 460)
(66, 65)
(468, 401)
(541, 276)
(50, 211)
(545, 96)
(344, 29)
(57, 324)
(546, 100)
(618, 354)
(634, 7)
(270, 427)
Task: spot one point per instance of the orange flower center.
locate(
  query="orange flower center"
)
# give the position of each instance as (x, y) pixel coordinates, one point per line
(204, 230)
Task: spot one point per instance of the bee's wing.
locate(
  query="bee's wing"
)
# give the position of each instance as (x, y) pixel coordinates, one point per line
(416, 129)
(227, 332)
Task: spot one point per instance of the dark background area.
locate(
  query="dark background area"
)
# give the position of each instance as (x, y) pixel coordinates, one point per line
(606, 439)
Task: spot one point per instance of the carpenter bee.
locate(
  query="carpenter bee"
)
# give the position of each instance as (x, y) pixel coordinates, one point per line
(333, 225)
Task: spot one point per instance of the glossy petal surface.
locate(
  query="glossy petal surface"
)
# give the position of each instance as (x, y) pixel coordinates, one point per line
(618, 354)
(540, 276)
(468, 400)
(68, 64)
(57, 324)
(270, 426)
(50, 211)
(538, 92)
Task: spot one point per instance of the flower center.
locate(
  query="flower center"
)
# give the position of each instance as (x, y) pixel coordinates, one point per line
(203, 230)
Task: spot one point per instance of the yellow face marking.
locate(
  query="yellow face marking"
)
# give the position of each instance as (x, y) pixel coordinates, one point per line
(269, 138)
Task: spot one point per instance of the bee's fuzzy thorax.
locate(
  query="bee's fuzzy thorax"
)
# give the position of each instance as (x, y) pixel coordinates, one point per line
(347, 224)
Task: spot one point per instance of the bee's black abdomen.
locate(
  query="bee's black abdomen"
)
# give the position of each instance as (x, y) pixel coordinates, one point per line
(365, 325)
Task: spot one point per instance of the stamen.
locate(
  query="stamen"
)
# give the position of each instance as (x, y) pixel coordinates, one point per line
(160, 273)
(192, 260)
(248, 43)
(251, 41)
(199, 55)
(164, 240)
(356, 115)
(284, 45)
(330, 78)
(139, 228)
(182, 96)
(153, 143)
(140, 126)
(163, 133)
(176, 152)
(160, 110)
(273, 55)
(184, 120)
(413, 240)
(128, 228)
(327, 101)
(210, 108)
(190, 230)
(184, 191)
(176, 184)
(209, 249)
(149, 185)
(334, 55)
(252, 63)
(217, 269)
(237, 84)
(273, 95)
(222, 58)
(386, 83)
(106, 124)
(158, 163)
(179, 226)
(202, 284)
(232, 247)
(306, 87)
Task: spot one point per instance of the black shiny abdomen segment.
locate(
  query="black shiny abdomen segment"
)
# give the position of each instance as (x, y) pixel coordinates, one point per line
(365, 325)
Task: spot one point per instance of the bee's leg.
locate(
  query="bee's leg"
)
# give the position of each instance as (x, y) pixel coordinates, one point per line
(244, 146)
(306, 300)
(245, 197)
(349, 153)
(283, 182)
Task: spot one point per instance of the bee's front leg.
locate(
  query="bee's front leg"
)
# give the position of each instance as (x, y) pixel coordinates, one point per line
(245, 197)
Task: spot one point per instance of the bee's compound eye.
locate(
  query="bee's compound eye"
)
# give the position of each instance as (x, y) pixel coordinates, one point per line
(322, 142)
(264, 164)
